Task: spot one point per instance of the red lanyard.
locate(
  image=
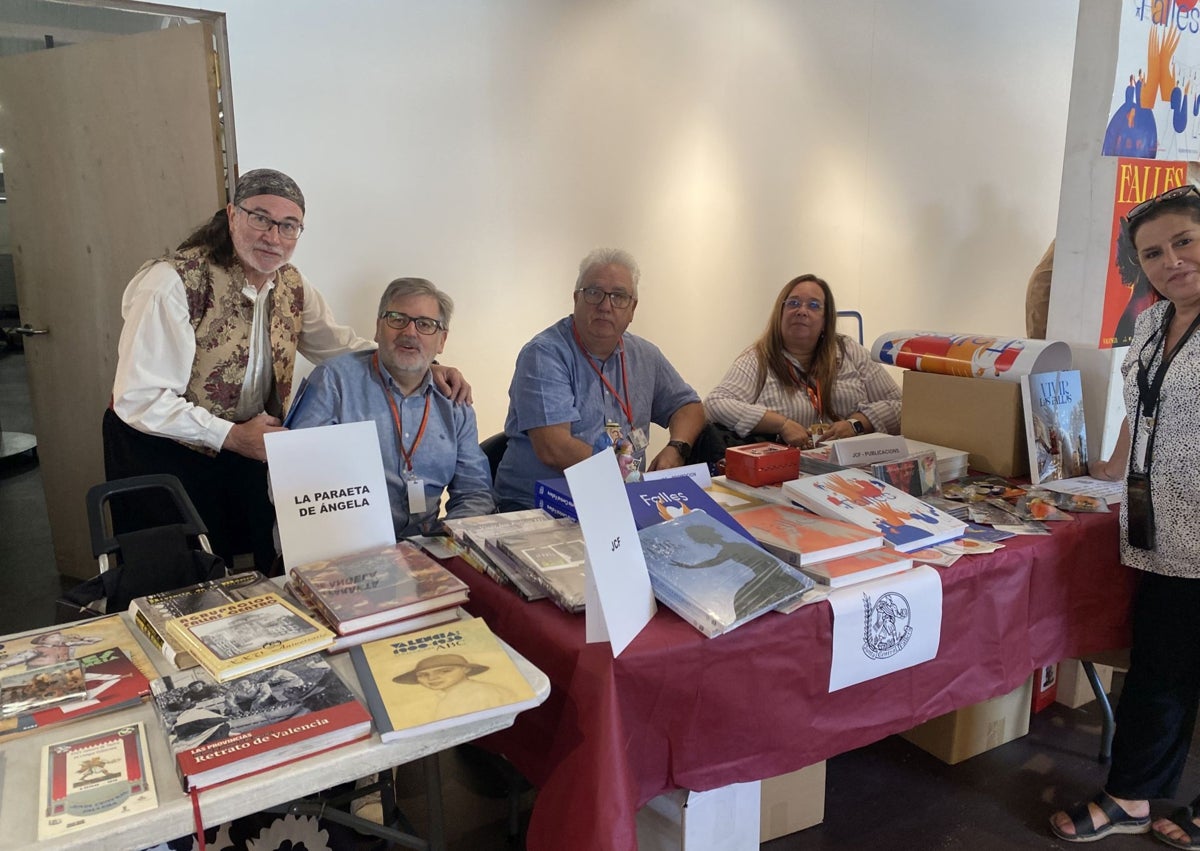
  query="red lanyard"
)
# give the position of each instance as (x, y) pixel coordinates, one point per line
(407, 456)
(626, 408)
(814, 390)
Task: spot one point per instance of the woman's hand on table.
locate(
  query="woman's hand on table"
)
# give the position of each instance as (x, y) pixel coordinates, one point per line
(794, 434)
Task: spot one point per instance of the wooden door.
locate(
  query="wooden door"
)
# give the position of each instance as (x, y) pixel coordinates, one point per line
(112, 155)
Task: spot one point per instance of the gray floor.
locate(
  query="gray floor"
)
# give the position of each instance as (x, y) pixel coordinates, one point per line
(890, 794)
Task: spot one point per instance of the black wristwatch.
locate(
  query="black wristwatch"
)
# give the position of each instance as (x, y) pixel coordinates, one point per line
(682, 447)
(859, 428)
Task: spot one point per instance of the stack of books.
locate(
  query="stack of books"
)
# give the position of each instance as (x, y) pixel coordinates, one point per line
(476, 537)
(378, 593)
(222, 731)
(856, 497)
(552, 559)
(951, 463)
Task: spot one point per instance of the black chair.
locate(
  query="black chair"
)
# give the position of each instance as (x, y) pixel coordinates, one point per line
(493, 447)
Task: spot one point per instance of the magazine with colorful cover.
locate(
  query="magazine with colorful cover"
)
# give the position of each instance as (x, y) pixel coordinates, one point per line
(858, 568)
(365, 589)
(915, 474)
(802, 538)
(660, 500)
(712, 577)
(857, 497)
(553, 559)
(248, 635)
(1054, 425)
(42, 688)
(222, 731)
(426, 681)
(94, 779)
(111, 680)
(151, 613)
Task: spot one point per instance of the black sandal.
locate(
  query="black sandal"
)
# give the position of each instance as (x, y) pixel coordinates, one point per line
(1119, 821)
(1182, 818)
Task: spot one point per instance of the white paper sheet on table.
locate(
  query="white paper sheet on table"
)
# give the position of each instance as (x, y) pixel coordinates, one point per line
(885, 625)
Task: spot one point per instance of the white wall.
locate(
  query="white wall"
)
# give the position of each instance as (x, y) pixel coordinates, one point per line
(910, 152)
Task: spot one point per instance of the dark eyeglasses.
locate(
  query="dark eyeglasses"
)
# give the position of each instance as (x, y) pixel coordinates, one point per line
(1170, 195)
(595, 295)
(399, 321)
(288, 229)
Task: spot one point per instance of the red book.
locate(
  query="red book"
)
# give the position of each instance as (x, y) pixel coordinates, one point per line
(801, 538)
(858, 568)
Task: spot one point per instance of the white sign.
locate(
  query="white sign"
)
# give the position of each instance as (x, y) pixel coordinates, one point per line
(698, 473)
(330, 493)
(885, 625)
(619, 598)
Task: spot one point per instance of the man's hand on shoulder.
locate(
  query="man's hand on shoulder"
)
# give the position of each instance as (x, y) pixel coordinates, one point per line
(247, 438)
(451, 382)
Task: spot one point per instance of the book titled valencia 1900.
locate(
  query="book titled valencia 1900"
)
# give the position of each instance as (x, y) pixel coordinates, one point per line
(223, 731)
(430, 680)
(360, 590)
(248, 635)
(857, 497)
(801, 538)
(712, 577)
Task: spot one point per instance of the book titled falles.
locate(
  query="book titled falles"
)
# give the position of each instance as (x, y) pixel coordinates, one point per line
(712, 577)
(852, 495)
(660, 500)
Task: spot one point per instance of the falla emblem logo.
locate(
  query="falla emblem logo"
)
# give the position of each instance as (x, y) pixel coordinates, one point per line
(886, 625)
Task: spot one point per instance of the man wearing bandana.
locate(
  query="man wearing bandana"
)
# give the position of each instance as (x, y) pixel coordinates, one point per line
(585, 385)
(206, 359)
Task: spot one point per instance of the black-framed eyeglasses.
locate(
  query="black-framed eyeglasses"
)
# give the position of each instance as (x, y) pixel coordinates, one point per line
(595, 295)
(288, 229)
(398, 321)
(797, 303)
(1170, 195)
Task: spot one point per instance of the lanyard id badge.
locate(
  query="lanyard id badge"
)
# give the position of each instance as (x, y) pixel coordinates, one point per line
(415, 488)
(639, 440)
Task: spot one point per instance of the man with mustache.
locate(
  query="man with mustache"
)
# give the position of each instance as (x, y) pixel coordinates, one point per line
(428, 443)
(205, 364)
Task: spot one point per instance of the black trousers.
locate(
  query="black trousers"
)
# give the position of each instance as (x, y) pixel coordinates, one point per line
(229, 491)
(1157, 711)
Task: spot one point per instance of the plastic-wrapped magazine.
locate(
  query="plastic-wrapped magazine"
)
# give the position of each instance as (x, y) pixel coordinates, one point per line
(553, 559)
(712, 577)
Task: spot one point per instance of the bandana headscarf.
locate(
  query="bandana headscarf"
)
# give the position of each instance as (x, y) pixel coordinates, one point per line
(268, 181)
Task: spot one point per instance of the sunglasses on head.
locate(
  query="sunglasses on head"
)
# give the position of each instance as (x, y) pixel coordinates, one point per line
(1170, 195)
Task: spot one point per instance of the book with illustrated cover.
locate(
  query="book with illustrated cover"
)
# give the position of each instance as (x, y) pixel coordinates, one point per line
(48, 645)
(915, 474)
(1054, 425)
(857, 497)
(41, 688)
(94, 779)
(297, 595)
(858, 568)
(713, 578)
(365, 589)
(801, 538)
(552, 559)
(111, 681)
(248, 635)
(659, 500)
(222, 731)
(426, 681)
(151, 613)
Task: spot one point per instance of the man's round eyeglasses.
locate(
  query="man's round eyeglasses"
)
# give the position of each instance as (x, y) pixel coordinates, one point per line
(797, 303)
(287, 228)
(399, 321)
(595, 295)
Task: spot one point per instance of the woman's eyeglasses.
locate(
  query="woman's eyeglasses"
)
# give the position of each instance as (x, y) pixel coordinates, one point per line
(1170, 195)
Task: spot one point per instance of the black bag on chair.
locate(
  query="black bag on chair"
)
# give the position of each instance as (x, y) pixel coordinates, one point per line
(145, 561)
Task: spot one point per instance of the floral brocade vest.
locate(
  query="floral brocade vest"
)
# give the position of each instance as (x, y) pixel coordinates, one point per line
(222, 318)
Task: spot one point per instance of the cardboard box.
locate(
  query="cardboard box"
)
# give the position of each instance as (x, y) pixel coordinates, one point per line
(977, 415)
(969, 732)
(1074, 689)
(1045, 687)
(724, 819)
(792, 802)
(761, 464)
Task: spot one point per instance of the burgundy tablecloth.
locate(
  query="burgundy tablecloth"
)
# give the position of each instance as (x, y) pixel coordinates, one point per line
(678, 710)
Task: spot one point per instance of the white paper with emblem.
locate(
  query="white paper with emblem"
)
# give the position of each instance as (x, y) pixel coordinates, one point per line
(885, 625)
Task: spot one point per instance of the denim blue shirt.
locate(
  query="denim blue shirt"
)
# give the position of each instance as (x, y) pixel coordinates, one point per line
(553, 383)
(348, 389)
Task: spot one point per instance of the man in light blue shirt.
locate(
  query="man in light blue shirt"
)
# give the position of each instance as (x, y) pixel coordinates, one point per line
(428, 443)
(584, 384)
